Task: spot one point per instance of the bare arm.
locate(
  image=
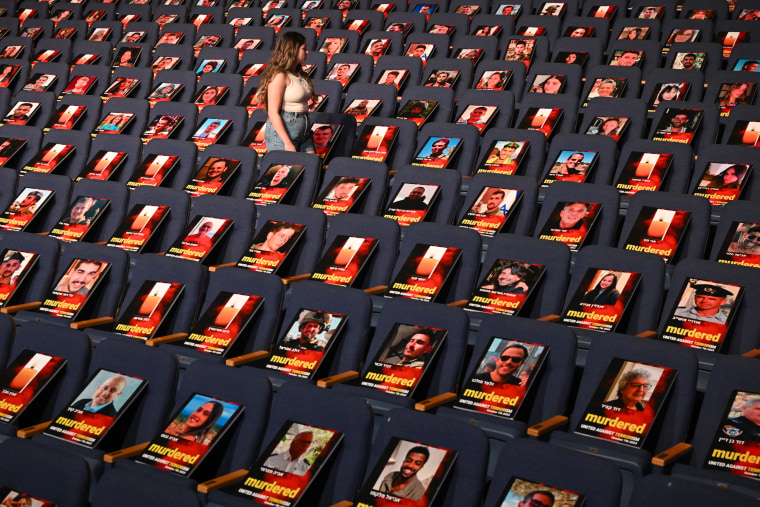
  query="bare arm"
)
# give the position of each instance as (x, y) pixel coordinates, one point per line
(275, 93)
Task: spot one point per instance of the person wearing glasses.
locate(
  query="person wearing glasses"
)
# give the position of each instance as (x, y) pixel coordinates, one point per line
(538, 498)
(749, 242)
(632, 390)
(507, 363)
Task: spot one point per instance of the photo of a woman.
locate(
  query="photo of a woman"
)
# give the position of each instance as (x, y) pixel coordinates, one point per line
(605, 292)
(199, 424)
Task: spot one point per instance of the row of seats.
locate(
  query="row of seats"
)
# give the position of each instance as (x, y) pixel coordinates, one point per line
(450, 428)
(555, 394)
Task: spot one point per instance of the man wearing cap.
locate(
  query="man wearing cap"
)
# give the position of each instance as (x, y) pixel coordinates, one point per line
(310, 325)
(438, 150)
(708, 299)
(28, 204)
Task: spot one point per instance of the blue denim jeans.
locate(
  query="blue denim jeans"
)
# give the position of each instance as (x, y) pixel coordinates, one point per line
(298, 127)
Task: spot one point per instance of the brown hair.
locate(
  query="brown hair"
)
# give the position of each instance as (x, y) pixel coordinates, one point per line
(283, 59)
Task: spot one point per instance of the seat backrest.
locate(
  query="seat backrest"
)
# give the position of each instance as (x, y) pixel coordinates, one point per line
(599, 481)
(380, 264)
(110, 288)
(38, 282)
(602, 231)
(347, 353)
(296, 401)
(243, 386)
(241, 211)
(443, 373)
(694, 240)
(461, 280)
(74, 346)
(642, 310)
(68, 483)
(305, 189)
(58, 204)
(303, 258)
(160, 268)
(373, 197)
(151, 410)
(548, 296)
(676, 413)
(444, 207)
(731, 373)
(117, 195)
(464, 484)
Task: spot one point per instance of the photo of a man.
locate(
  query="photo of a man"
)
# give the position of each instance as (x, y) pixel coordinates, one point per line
(10, 265)
(414, 200)
(709, 299)
(290, 460)
(748, 241)
(410, 348)
(407, 473)
(508, 361)
(21, 113)
(309, 334)
(404, 482)
(80, 213)
(80, 277)
(27, 203)
(102, 400)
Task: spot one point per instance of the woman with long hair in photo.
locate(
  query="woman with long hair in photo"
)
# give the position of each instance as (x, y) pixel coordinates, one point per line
(285, 90)
(668, 92)
(736, 94)
(729, 178)
(552, 85)
(209, 96)
(198, 424)
(605, 292)
(495, 81)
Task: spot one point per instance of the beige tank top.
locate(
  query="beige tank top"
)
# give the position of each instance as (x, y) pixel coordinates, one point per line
(297, 94)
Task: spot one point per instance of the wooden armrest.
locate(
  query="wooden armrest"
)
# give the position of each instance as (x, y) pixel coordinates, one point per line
(435, 401)
(647, 334)
(155, 342)
(296, 278)
(337, 379)
(21, 307)
(222, 481)
(458, 304)
(81, 324)
(752, 353)
(549, 318)
(376, 290)
(214, 268)
(344, 503)
(127, 452)
(547, 426)
(30, 431)
(247, 358)
(101, 242)
(668, 456)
